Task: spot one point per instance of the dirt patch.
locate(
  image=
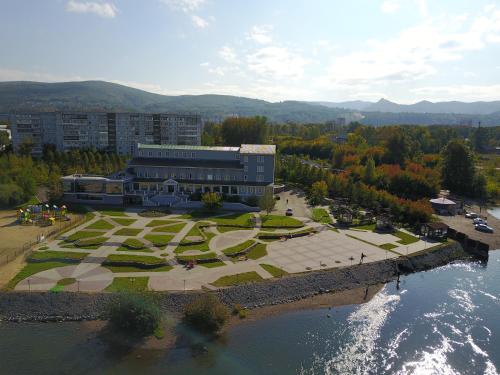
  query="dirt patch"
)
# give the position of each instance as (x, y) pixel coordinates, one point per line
(9, 270)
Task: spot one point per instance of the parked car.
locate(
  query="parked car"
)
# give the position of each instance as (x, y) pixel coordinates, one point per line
(478, 220)
(289, 212)
(483, 228)
(471, 215)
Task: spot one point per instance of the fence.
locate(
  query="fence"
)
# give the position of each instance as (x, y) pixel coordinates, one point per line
(27, 247)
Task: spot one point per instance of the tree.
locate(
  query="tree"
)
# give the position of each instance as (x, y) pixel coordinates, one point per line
(369, 175)
(319, 191)
(236, 131)
(211, 201)
(135, 314)
(26, 147)
(267, 202)
(206, 313)
(4, 140)
(458, 167)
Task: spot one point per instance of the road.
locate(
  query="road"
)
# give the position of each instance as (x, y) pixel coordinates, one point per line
(296, 201)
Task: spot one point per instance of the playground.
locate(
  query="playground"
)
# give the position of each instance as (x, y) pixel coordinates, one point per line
(130, 249)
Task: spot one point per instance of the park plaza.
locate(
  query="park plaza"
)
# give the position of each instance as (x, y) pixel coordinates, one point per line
(165, 174)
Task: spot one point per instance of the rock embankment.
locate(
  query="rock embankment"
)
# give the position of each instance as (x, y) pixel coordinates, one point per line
(46, 306)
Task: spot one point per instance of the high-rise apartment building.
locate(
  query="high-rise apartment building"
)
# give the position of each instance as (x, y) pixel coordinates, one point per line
(114, 132)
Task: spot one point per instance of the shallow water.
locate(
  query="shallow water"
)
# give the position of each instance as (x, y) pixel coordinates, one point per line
(445, 321)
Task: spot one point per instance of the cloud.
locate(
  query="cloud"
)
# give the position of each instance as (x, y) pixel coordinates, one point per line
(199, 22)
(261, 34)
(462, 92)
(229, 55)
(276, 62)
(417, 51)
(389, 6)
(102, 9)
(184, 5)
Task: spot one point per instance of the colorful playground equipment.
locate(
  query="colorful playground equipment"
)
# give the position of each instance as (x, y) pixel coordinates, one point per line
(42, 214)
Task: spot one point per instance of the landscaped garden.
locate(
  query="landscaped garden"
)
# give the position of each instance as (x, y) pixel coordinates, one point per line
(278, 221)
(321, 215)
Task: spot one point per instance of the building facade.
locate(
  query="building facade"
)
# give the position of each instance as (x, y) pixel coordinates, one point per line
(165, 174)
(113, 132)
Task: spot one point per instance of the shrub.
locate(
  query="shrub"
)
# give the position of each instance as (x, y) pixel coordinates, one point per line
(211, 201)
(135, 314)
(206, 313)
(252, 201)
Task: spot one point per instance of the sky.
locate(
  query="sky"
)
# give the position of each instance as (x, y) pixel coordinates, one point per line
(315, 50)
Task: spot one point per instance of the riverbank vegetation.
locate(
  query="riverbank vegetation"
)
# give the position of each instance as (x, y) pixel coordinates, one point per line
(206, 314)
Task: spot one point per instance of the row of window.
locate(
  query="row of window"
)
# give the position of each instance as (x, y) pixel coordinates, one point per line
(195, 176)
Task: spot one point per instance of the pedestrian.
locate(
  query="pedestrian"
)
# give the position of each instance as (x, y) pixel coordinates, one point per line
(287, 201)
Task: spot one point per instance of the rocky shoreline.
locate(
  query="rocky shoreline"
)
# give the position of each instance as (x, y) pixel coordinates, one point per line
(67, 306)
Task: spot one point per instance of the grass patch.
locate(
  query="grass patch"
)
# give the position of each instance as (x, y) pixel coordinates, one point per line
(219, 263)
(280, 221)
(257, 251)
(275, 271)
(31, 269)
(157, 223)
(48, 255)
(123, 221)
(187, 258)
(101, 224)
(112, 211)
(91, 243)
(174, 228)
(133, 244)
(369, 227)
(128, 284)
(81, 235)
(128, 232)
(159, 240)
(232, 251)
(229, 229)
(320, 215)
(387, 246)
(118, 269)
(200, 247)
(405, 238)
(237, 279)
(66, 281)
(235, 220)
(143, 259)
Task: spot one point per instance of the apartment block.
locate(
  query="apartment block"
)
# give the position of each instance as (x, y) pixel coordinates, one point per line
(113, 132)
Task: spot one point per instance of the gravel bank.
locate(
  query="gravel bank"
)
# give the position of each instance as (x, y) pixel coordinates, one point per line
(46, 306)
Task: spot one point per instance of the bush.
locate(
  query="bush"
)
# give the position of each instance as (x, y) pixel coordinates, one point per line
(206, 314)
(252, 201)
(135, 314)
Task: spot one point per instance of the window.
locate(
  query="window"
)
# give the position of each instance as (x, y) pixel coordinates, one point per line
(237, 156)
(226, 177)
(209, 177)
(193, 155)
(260, 159)
(245, 177)
(245, 168)
(150, 153)
(260, 169)
(245, 159)
(260, 177)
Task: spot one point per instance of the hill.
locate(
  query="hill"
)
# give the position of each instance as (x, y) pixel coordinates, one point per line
(452, 107)
(106, 96)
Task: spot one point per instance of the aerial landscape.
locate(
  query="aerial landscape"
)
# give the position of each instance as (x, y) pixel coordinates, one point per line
(215, 187)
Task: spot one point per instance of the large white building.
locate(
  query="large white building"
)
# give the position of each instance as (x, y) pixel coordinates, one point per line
(114, 132)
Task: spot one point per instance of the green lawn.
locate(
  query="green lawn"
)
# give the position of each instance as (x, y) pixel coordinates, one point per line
(101, 224)
(406, 238)
(143, 259)
(31, 269)
(387, 246)
(91, 243)
(122, 221)
(159, 240)
(280, 221)
(66, 281)
(201, 246)
(237, 279)
(229, 229)
(128, 232)
(114, 211)
(275, 271)
(187, 258)
(242, 220)
(82, 234)
(118, 269)
(133, 244)
(157, 223)
(232, 251)
(219, 263)
(257, 252)
(47, 255)
(320, 215)
(174, 228)
(128, 284)
(369, 227)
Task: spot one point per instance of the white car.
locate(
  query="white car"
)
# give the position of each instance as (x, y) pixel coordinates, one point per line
(483, 228)
(478, 220)
(471, 215)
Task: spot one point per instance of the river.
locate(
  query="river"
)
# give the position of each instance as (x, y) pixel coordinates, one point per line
(444, 321)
